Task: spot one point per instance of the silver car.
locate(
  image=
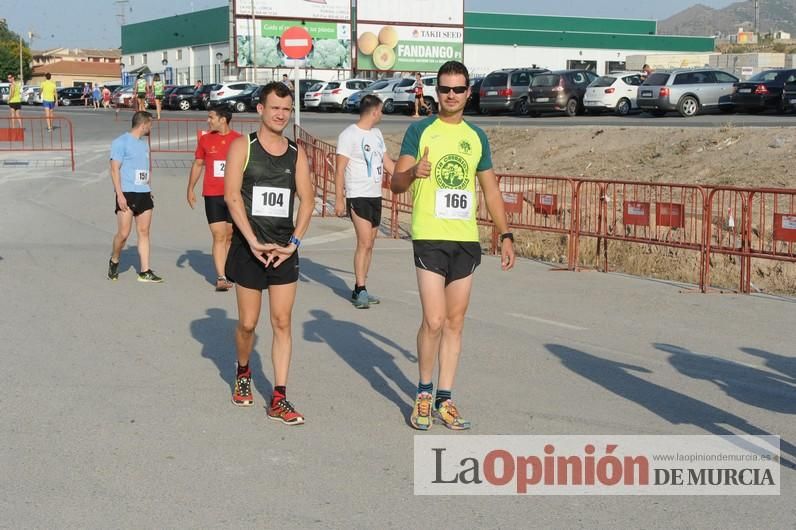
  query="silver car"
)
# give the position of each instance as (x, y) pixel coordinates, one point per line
(688, 91)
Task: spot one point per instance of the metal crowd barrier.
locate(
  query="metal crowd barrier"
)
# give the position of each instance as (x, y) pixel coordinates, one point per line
(33, 136)
(180, 135)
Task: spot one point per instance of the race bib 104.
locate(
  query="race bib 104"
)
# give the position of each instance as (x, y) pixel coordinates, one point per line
(270, 202)
(453, 204)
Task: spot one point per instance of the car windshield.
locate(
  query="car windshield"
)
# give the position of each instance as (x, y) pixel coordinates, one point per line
(546, 80)
(777, 76)
(316, 86)
(379, 85)
(496, 79)
(332, 86)
(605, 80)
(656, 79)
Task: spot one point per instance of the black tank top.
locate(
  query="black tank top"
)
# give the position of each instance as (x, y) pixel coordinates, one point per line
(268, 191)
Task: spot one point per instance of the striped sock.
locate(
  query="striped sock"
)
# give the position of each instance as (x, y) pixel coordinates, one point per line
(442, 396)
(425, 387)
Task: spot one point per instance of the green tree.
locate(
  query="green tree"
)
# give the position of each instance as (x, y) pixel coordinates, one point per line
(9, 53)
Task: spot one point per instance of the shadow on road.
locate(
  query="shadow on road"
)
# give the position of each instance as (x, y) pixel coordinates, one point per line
(782, 364)
(674, 407)
(310, 270)
(357, 346)
(216, 334)
(201, 263)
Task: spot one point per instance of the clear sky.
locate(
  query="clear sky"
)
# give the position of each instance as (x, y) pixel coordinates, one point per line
(94, 23)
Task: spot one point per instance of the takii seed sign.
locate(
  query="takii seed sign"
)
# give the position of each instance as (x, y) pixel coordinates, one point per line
(407, 48)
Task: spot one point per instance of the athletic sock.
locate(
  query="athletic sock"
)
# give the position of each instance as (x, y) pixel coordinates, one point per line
(425, 387)
(442, 396)
(242, 369)
(358, 288)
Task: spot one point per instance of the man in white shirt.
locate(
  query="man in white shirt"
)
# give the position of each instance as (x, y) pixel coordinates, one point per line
(361, 161)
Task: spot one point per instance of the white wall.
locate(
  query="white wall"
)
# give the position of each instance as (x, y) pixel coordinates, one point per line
(193, 57)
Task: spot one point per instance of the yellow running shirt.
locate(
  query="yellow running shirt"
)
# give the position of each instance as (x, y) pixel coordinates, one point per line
(48, 90)
(444, 204)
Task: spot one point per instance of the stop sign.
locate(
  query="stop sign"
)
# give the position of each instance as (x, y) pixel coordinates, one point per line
(296, 42)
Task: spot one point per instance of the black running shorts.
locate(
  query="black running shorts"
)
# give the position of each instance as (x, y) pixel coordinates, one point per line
(15, 106)
(452, 259)
(368, 208)
(138, 202)
(247, 271)
(216, 210)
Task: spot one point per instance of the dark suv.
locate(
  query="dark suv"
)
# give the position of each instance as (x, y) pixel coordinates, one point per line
(559, 91)
(507, 90)
(201, 97)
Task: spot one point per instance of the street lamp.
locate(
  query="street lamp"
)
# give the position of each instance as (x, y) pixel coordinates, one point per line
(164, 63)
(219, 56)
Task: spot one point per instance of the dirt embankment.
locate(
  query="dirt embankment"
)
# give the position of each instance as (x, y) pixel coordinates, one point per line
(725, 156)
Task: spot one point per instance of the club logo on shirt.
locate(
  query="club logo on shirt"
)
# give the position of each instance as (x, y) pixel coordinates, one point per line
(464, 147)
(366, 148)
(451, 172)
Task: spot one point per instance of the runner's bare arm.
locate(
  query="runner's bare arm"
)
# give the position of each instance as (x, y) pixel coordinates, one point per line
(389, 164)
(497, 211)
(339, 185)
(116, 178)
(193, 178)
(306, 194)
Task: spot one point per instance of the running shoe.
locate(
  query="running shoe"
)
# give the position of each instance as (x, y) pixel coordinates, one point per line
(149, 277)
(372, 300)
(242, 396)
(222, 284)
(448, 415)
(421, 412)
(113, 270)
(282, 410)
(361, 301)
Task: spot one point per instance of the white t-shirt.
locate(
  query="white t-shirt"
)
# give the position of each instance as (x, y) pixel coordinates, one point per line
(365, 153)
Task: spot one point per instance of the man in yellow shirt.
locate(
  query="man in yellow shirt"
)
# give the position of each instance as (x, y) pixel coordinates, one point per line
(48, 99)
(15, 101)
(441, 157)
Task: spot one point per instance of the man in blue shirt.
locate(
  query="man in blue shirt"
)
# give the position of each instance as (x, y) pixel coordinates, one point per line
(130, 176)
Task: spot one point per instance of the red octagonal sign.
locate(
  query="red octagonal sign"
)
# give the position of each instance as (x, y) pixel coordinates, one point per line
(296, 42)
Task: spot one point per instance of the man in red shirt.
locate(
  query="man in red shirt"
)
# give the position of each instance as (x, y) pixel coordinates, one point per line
(211, 154)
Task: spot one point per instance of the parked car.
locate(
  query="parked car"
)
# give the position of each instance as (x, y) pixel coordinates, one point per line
(559, 91)
(336, 93)
(31, 95)
(4, 90)
(180, 98)
(763, 91)
(383, 89)
(227, 90)
(474, 99)
(789, 96)
(312, 99)
(688, 91)
(304, 87)
(404, 94)
(506, 90)
(616, 92)
(240, 102)
(72, 95)
(201, 96)
(150, 97)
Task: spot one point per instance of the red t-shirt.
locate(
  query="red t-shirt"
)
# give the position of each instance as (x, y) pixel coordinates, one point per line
(212, 148)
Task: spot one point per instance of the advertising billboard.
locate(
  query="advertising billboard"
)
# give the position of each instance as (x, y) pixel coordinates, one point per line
(296, 9)
(439, 12)
(331, 44)
(407, 48)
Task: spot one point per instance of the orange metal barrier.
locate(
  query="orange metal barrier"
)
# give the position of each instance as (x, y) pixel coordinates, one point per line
(180, 135)
(669, 215)
(33, 136)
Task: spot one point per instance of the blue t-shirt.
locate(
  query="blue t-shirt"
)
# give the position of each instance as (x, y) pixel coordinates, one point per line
(133, 153)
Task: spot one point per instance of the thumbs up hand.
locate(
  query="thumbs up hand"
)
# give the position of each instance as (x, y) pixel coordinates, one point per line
(423, 167)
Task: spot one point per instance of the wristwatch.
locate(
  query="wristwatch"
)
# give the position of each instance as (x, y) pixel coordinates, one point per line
(296, 241)
(507, 235)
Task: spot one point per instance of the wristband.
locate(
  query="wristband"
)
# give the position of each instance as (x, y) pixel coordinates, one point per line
(507, 235)
(296, 241)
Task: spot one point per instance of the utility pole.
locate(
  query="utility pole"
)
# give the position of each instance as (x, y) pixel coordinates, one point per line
(121, 16)
(757, 16)
(254, 44)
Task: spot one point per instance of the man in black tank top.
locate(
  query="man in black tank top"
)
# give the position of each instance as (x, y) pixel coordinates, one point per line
(264, 174)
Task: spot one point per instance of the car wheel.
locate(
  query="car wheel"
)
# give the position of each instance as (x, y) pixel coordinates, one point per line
(623, 107)
(66, 102)
(484, 111)
(572, 107)
(522, 108)
(240, 106)
(688, 107)
(185, 104)
(432, 106)
(388, 107)
(343, 105)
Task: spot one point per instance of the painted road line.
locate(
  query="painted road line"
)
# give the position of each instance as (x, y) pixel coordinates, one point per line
(546, 321)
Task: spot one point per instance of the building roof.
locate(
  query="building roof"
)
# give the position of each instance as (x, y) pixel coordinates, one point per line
(78, 68)
(111, 53)
(191, 29)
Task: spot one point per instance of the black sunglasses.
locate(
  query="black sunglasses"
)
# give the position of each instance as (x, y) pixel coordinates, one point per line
(442, 89)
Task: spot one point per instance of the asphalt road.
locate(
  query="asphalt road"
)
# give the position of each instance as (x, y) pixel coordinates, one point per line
(114, 396)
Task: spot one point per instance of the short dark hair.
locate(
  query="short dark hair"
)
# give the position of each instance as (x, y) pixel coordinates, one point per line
(368, 103)
(284, 75)
(47, 75)
(454, 68)
(223, 112)
(156, 77)
(141, 117)
(278, 88)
